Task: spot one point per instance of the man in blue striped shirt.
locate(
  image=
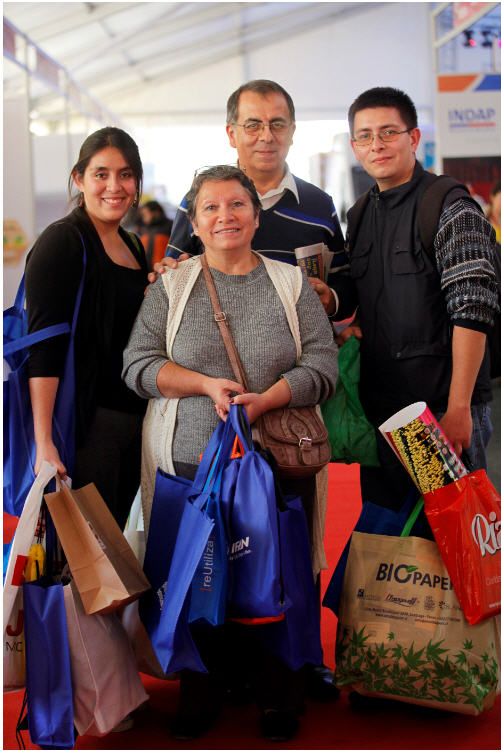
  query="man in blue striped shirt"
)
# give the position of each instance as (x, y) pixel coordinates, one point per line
(260, 123)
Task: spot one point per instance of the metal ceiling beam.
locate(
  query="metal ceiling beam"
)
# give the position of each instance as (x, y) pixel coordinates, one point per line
(95, 80)
(274, 28)
(76, 18)
(148, 32)
(296, 26)
(265, 33)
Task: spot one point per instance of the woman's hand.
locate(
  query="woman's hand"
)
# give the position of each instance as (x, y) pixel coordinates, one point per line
(278, 395)
(48, 452)
(220, 391)
(255, 405)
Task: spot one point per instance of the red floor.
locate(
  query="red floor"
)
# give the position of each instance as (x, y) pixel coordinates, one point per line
(325, 726)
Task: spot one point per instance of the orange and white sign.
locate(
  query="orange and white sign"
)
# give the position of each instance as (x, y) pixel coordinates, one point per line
(469, 114)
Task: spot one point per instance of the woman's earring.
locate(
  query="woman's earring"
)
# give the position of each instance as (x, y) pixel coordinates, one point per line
(81, 199)
(135, 202)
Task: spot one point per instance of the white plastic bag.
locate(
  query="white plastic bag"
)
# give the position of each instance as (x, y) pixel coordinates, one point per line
(134, 529)
(13, 627)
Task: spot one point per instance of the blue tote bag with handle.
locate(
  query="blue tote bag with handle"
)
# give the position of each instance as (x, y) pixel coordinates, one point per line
(208, 589)
(250, 511)
(170, 497)
(19, 450)
(48, 677)
(296, 638)
(179, 531)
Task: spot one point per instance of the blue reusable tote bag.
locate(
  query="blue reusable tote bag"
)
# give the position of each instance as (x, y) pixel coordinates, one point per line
(19, 448)
(178, 535)
(296, 638)
(48, 677)
(170, 497)
(209, 586)
(250, 512)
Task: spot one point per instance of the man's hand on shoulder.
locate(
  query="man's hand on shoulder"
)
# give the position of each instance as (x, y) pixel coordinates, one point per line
(325, 294)
(166, 263)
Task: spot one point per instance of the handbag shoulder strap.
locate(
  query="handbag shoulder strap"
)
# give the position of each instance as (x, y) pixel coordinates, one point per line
(224, 328)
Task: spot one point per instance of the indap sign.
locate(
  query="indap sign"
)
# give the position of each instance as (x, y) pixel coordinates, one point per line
(470, 117)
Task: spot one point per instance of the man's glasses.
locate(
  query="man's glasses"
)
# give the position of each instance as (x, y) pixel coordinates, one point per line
(386, 136)
(253, 127)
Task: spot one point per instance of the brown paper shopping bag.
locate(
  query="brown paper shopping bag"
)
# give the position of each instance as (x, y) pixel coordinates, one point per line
(105, 569)
(401, 631)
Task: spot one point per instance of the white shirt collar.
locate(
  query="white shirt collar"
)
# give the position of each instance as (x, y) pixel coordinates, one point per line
(270, 198)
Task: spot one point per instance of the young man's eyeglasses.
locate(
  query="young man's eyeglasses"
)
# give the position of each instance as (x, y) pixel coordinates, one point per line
(386, 136)
(253, 127)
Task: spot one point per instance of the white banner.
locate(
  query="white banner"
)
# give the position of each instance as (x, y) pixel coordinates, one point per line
(469, 115)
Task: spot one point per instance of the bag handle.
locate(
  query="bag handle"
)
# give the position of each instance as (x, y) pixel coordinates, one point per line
(412, 518)
(224, 328)
(38, 336)
(49, 331)
(237, 417)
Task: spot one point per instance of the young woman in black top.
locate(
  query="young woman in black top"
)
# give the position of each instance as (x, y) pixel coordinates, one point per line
(108, 175)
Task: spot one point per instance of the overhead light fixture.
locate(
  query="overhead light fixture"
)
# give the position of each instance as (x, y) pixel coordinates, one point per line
(468, 39)
(487, 35)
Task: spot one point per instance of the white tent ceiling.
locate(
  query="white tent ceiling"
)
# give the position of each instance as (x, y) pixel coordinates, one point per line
(160, 63)
(122, 53)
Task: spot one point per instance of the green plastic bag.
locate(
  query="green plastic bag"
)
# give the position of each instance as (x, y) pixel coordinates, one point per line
(351, 435)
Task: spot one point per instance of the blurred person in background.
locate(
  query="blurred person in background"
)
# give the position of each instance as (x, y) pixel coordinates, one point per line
(155, 231)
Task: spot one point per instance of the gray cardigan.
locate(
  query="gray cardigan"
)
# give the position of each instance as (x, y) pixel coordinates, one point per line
(259, 327)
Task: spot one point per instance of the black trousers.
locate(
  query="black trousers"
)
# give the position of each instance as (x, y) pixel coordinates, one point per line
(111, 459)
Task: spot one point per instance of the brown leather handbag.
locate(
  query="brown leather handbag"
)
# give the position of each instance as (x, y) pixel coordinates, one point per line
(296, 436)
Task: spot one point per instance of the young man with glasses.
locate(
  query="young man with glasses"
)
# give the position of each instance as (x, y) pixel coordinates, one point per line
(260, 123)
(423, 316)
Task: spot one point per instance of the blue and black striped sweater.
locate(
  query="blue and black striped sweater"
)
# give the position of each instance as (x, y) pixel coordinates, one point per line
(285, 226)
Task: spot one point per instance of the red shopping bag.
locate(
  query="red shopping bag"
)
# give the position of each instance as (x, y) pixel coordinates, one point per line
(465, 518)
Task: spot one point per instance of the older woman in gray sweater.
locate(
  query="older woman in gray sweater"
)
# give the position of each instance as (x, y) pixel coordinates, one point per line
(177, 359)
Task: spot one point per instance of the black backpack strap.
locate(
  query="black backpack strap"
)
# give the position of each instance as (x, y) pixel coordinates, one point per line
(432, 203)
(355, 214)
(430, 207)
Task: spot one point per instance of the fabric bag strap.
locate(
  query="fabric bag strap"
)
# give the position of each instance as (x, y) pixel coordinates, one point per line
(224, 328)
(49, 331)
(38, 336)
(412, 518)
